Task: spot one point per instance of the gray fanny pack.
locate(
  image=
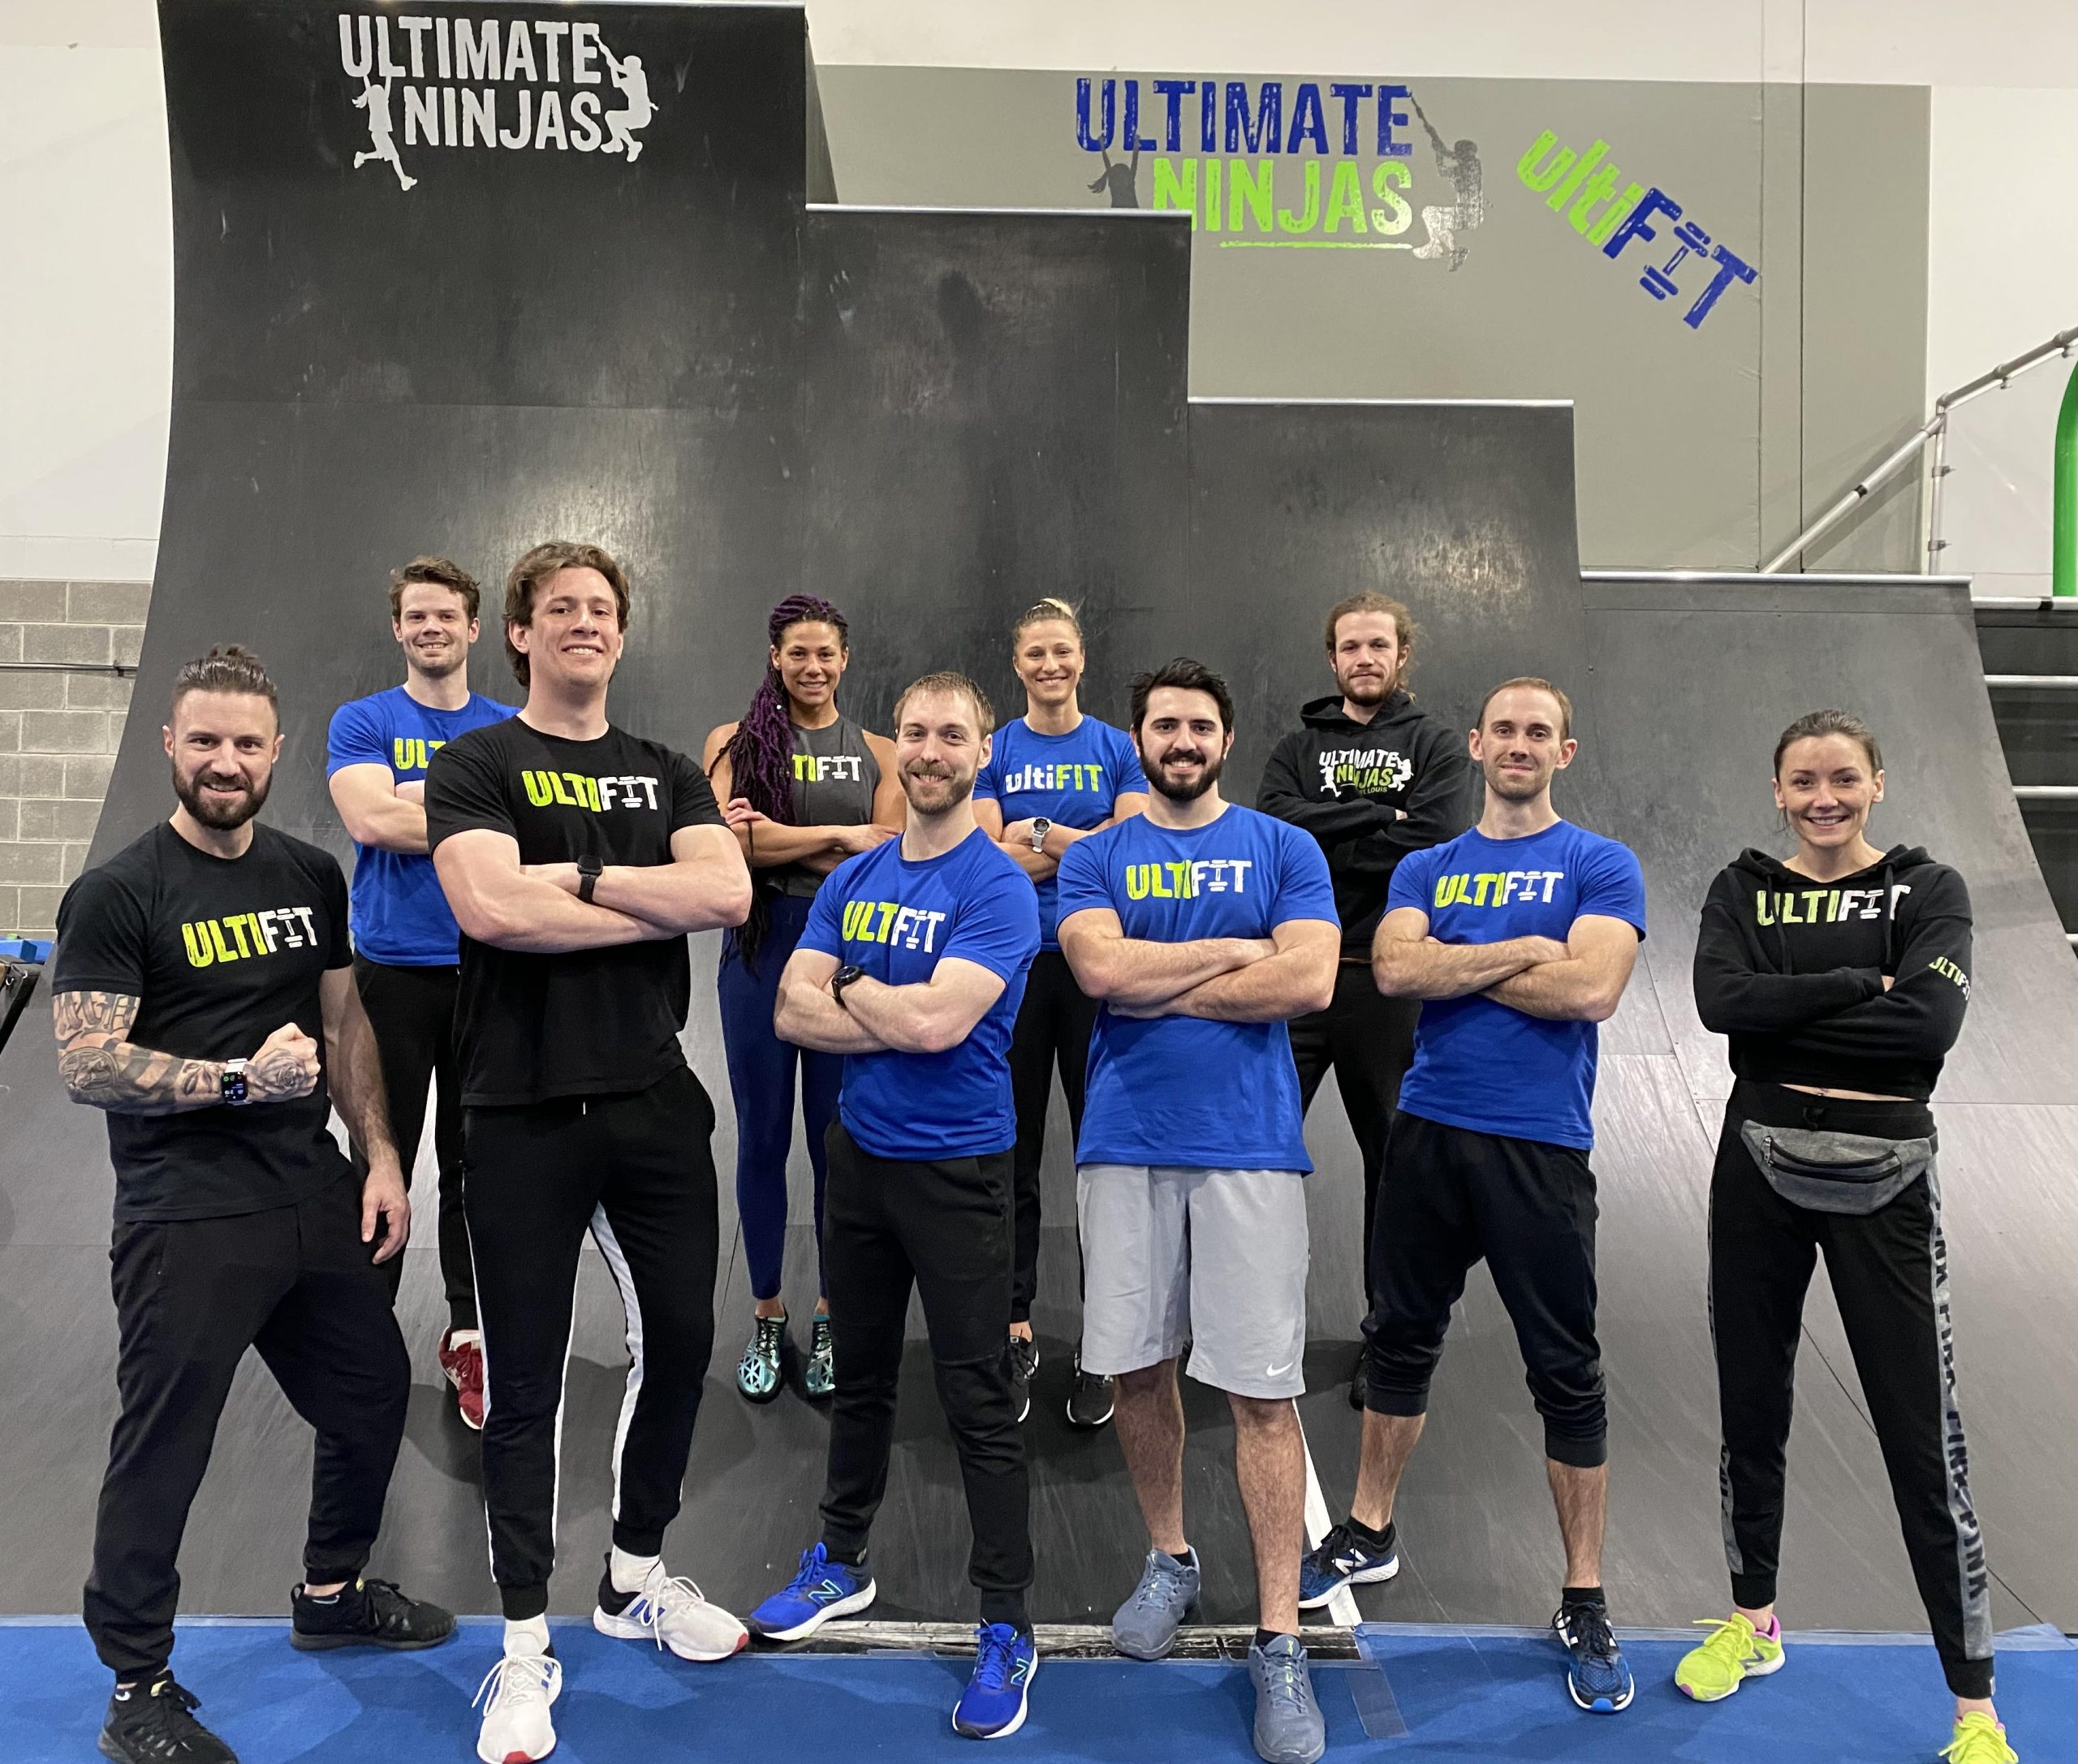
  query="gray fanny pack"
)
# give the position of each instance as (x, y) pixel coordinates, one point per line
(1830, 1172)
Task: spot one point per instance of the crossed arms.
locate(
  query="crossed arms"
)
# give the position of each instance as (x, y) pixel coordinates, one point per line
(534, 908)
(1579, 981)
(926, 1017)
(1015, 840)
(104, 1069)
(1225, 979)
(377, 810)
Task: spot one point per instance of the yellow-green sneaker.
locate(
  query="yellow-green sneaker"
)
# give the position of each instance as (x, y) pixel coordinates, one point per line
(1979, 1739)
(1733, 1652)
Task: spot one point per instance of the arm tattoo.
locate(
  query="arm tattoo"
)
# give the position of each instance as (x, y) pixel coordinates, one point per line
(102, 1070)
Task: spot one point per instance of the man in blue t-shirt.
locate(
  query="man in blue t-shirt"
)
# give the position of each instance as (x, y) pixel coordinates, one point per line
(1519, 937)
(1203, 927)
(912, 966)
(407, 948)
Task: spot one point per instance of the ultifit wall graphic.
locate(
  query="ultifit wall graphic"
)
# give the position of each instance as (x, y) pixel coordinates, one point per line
(1275, 164)
(515, 84)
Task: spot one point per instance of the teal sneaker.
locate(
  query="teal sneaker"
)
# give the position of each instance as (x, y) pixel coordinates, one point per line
(757, 1372)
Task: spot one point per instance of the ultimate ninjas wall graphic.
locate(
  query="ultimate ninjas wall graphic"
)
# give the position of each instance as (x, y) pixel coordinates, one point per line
(490, 83)
(1269, 179)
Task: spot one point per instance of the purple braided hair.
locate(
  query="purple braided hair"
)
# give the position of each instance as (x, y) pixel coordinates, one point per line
(761, 751)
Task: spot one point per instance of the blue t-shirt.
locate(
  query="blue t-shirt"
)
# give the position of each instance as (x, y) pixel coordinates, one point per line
(1180, 1091)
(1486, 1066)
(1075, 778)
(897, 920)
(399, 915)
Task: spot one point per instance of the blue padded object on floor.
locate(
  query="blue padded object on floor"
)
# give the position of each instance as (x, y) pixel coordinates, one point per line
(1471, 1696)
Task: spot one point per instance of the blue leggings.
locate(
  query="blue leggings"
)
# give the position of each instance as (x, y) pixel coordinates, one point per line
(761, 1080)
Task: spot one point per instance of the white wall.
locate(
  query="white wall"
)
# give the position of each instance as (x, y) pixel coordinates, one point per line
(85, 302)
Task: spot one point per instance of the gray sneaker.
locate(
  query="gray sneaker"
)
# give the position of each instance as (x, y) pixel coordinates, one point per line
(1289, 1729)
(1146, 1625)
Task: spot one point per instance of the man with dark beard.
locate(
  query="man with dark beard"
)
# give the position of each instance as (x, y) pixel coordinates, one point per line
(195, 970)
(406, 946)
(1372, 778)
(913, 966)
(1520, 937)
(1203, 927)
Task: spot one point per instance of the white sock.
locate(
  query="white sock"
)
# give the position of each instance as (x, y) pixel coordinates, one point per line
(630, 1573)
(461, 1338)
(529, 1637)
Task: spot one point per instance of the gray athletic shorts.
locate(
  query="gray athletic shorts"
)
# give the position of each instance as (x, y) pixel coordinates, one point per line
(1217, 1257)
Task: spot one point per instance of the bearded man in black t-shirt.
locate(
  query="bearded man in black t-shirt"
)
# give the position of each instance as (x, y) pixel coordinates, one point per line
(576, 857)
(204, 998)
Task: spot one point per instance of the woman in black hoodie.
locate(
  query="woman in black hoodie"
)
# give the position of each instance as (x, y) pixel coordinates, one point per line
(1840, 977)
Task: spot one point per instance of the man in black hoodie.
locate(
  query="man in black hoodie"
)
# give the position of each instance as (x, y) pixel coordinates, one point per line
(1372, 778)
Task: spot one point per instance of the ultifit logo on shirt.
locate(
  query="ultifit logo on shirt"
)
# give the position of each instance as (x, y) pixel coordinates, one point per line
(1496, 887)
(573, 789)
(889, 921)
(1088, 776)
(490, 83)
(241, 936)
(821, 768)
(412, 754)
(1373, 770)
(1823, 906)
(1185, 881)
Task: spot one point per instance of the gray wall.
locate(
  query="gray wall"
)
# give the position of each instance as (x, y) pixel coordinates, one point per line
(1697, 448)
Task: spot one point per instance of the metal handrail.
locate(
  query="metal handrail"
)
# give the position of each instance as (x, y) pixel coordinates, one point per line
(1935, 428)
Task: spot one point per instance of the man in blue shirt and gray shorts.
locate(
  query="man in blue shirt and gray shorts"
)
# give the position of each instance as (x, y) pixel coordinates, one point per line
(1203, 927)
(1520, 937)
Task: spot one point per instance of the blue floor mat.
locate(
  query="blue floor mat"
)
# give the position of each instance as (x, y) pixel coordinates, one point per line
(1463, 1695)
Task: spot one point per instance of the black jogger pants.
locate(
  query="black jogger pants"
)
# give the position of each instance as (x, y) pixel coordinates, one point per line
(190, 1296)
(634, 1170)
(1889, 1275)
(412, 1011)
(945, 1230)
(1054, 1025)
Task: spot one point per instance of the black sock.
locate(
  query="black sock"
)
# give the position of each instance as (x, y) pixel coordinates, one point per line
(1583, 1595)
(1374, 1540)
(1263, 1637)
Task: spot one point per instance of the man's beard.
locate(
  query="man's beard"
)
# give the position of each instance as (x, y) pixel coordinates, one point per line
(1158, 780)
(942, 802)
(217, 816)
(439, 665)
(1370, 689)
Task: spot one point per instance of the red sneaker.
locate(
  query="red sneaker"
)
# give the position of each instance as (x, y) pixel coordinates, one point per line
(462, 1359)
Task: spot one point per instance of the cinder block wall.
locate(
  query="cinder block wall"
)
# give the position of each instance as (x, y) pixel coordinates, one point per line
(59, 733)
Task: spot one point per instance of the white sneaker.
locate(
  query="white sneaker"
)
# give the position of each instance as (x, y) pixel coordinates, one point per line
(673, 1612)
(515, 1695)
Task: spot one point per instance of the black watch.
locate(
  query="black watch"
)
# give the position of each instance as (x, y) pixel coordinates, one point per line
(232, 1085)
(588, 876)
(843, 978)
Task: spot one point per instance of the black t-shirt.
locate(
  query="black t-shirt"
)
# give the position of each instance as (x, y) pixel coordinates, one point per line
(588, 1022)
(220, 952)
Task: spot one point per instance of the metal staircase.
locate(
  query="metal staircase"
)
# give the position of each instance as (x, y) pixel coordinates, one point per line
(2030, 651)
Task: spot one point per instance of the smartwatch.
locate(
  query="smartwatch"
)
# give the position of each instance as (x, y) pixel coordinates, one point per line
(843, 978)
(231, 1086)
(588, 876)
(1040, 827)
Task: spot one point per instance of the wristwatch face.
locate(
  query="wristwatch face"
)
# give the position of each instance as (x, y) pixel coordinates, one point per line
(1040, 827)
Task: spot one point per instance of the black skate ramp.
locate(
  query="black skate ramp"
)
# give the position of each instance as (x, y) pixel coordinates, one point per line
(935, 419)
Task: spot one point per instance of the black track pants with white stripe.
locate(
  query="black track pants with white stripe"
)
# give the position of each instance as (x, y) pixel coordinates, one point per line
(1890, 1276)
(635, 1171)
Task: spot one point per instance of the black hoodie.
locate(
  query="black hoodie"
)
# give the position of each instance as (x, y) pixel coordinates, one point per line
(1792, 971)
(1343, 781)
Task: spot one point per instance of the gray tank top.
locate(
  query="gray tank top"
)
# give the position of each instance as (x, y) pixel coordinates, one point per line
(835, 775)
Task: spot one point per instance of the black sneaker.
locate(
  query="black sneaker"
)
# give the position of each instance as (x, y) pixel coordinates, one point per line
(155, 1723)
(1024, 1367)
(368, 1614)
(1089, 1403)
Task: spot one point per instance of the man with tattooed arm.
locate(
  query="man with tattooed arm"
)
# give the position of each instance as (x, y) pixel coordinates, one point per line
(204, 999)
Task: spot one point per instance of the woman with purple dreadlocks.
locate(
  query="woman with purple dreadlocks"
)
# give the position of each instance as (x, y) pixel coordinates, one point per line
(804, 788)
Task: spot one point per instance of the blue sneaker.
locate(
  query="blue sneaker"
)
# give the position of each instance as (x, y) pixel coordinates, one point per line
(1342, 1560)
(1596, 1678)
(992, 1707)
(819, 1590)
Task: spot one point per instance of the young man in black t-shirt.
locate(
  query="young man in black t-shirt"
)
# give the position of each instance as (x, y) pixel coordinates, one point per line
(197, 972)
(576, 857)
